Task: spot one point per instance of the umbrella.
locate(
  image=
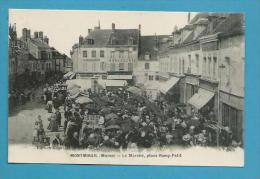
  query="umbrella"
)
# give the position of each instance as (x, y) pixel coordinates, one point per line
(111, 116)
(113, 127)
(73, 86)
(74, 91)
(135, 90)
(83, 100)
(94, 126)
(106, 110)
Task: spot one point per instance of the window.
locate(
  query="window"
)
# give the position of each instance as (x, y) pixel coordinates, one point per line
(150, 77)
(130, 66)
(102, 66)
(183, 66)
(93, 53)
(112, 54)
(102, 53)
(214, 67)
(189, 67)
(42, 66)
(112, 67)
(121, 66)
(85, 66)
(175, 64)
(90, 41)
(121, 54)
(94, 67)
(156, 77)
(204, 66)
(179, 65)
(197, 63)
(209, 66)
(85, 53)
(147, 66)
(146, 76)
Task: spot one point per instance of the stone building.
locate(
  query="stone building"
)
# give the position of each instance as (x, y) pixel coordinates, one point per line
(31, 58)
(106, 53)
(204, 67)
(146, 69)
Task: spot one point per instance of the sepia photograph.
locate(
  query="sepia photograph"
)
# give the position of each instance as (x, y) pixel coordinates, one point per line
(126, 87)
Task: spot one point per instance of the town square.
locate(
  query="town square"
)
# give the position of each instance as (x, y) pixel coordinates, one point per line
(119, 88)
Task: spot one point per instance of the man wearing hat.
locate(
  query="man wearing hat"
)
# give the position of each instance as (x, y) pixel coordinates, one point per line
(58, 116)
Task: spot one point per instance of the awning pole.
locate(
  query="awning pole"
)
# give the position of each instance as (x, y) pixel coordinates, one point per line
(217, 137)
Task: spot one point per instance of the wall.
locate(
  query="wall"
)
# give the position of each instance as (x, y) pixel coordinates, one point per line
(232, 75)
(142, 74)
(91, 64)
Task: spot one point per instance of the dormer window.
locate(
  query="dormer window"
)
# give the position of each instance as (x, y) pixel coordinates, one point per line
(113, 41)
(130, 41)
(147, 56)
(90, 41)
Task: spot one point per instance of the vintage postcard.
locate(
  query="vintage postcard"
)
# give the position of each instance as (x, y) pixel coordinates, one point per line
(126, 87)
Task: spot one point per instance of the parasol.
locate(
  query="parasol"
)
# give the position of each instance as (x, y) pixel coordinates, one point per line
(134, 90)
(83, 100)
(74, 91)
(111, 116)
(113, 127)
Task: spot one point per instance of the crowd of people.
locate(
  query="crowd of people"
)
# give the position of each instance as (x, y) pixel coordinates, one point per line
(119, 119)
(24, 89)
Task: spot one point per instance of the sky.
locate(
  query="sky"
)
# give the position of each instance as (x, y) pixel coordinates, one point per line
(63, 27)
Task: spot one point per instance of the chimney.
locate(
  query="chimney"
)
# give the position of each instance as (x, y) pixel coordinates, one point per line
(113, 26)
(36, 35)
(24, 31)
(80, 40)
(188, 17)
(28, 33)
(41, 35)
(139, 27)
(211, 23)
(46, 39)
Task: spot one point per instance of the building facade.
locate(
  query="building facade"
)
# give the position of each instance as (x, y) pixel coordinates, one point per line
(205, 63)
(106, 53)
(32, 59)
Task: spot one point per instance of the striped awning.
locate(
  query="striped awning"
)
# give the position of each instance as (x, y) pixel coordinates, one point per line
(166, 86)
(200, 99)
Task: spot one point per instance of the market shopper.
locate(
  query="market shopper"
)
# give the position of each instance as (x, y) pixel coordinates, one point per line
(117, 119)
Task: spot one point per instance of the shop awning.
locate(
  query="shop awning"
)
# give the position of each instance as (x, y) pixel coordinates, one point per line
(165, 87)
(134, 90)
(201, 98)
(119, 77)
(67, 75)
(73, 76)
(115, 83)
(83, 84)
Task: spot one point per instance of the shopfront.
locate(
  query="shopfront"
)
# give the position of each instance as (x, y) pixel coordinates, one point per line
(231, 109)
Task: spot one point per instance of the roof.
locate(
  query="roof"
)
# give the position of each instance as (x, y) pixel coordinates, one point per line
(232, 25)
(103, 37)
(198, 16)
(151, 44)
(122, 36)
(31, 57)
(100, 36)
(39, 43)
